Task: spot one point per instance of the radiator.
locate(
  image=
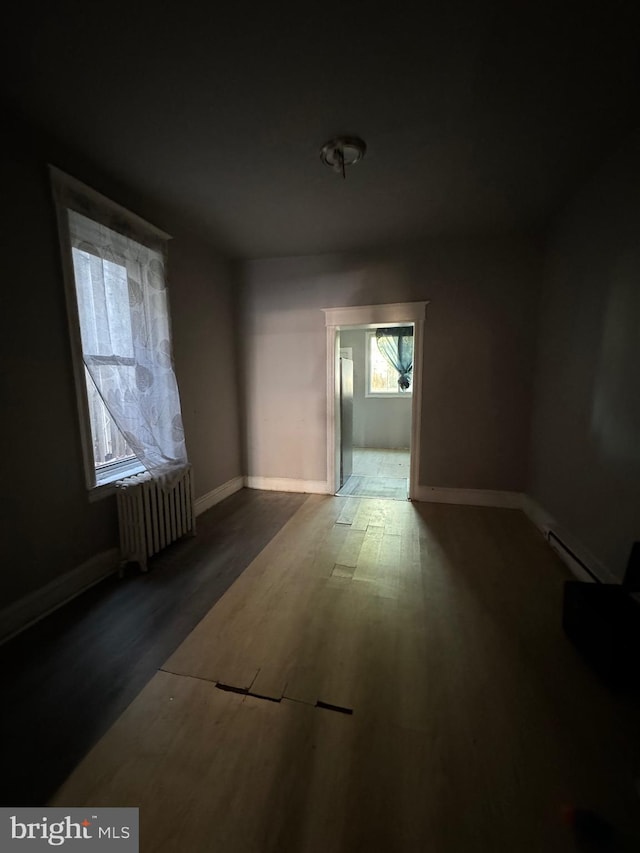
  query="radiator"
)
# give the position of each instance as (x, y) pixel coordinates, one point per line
(152, 517)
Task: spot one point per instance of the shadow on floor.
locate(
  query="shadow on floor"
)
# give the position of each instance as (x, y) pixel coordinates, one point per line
(70, 676)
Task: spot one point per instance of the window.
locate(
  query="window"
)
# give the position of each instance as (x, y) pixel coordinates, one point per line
(118, 310)
(382, 376)
(105, 329)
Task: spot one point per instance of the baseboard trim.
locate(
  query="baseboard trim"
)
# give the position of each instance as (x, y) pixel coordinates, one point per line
(552, 531)
(284, 484)
(38, 604)
(206, 501)
(469, 497)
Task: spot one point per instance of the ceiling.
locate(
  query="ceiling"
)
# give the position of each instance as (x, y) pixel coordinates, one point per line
(478, 117)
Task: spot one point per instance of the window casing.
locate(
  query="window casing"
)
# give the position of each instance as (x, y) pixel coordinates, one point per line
(103, 322)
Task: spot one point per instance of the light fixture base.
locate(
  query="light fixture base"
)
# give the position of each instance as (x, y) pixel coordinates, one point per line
(342, 151)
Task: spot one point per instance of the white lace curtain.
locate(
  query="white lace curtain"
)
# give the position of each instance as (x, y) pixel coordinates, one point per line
(126, 338)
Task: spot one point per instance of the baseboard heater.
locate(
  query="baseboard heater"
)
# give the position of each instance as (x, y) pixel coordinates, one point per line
(603, 621)
(559, 544)
(152, 515)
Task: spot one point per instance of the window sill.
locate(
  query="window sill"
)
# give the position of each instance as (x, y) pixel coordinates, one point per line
(106, 484)
(403, 395)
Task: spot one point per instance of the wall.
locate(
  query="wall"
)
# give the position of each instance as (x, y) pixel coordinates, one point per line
(48, 524)
(586, 438)
(376, 422)
(478, 355)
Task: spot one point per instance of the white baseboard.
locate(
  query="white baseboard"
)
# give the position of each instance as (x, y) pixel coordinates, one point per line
(469, 497)
(284, 484)
(43, 601)
(205, 502)
(552, 532)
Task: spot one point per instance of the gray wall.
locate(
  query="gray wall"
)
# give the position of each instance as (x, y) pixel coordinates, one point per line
(48, 524)
(586, 437)
(376, 422)
(478, 355)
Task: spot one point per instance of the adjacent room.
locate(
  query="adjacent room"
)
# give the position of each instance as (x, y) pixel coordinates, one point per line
(321, 419)
(376, 373)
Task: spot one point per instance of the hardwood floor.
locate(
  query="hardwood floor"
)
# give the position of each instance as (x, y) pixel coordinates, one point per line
(378, 474)
(68, 678)
(371, 462)
(391, 488)
(395, 678)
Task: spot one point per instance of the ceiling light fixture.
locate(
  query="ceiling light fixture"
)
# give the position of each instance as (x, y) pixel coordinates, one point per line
(341, 152)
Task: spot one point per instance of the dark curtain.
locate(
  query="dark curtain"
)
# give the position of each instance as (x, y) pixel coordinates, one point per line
(396, 346)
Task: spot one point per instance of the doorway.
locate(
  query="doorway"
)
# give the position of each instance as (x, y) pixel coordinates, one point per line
(375, 394)
(372, 464)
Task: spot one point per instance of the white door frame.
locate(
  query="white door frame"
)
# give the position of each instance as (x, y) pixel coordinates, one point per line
(374, 315)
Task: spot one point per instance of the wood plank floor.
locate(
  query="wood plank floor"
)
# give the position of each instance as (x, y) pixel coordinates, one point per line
(472, 719)
(391, 488)
(379, 474)
(68, 678)
(374, 462)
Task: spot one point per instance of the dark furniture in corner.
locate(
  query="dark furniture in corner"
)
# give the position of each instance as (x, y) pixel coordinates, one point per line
(603, 620)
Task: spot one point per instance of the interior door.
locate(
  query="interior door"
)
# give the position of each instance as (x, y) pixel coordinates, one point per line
(346, 419)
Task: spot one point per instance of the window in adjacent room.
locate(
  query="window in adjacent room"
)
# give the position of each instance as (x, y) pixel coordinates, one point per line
(390, 362)
(114, 265)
